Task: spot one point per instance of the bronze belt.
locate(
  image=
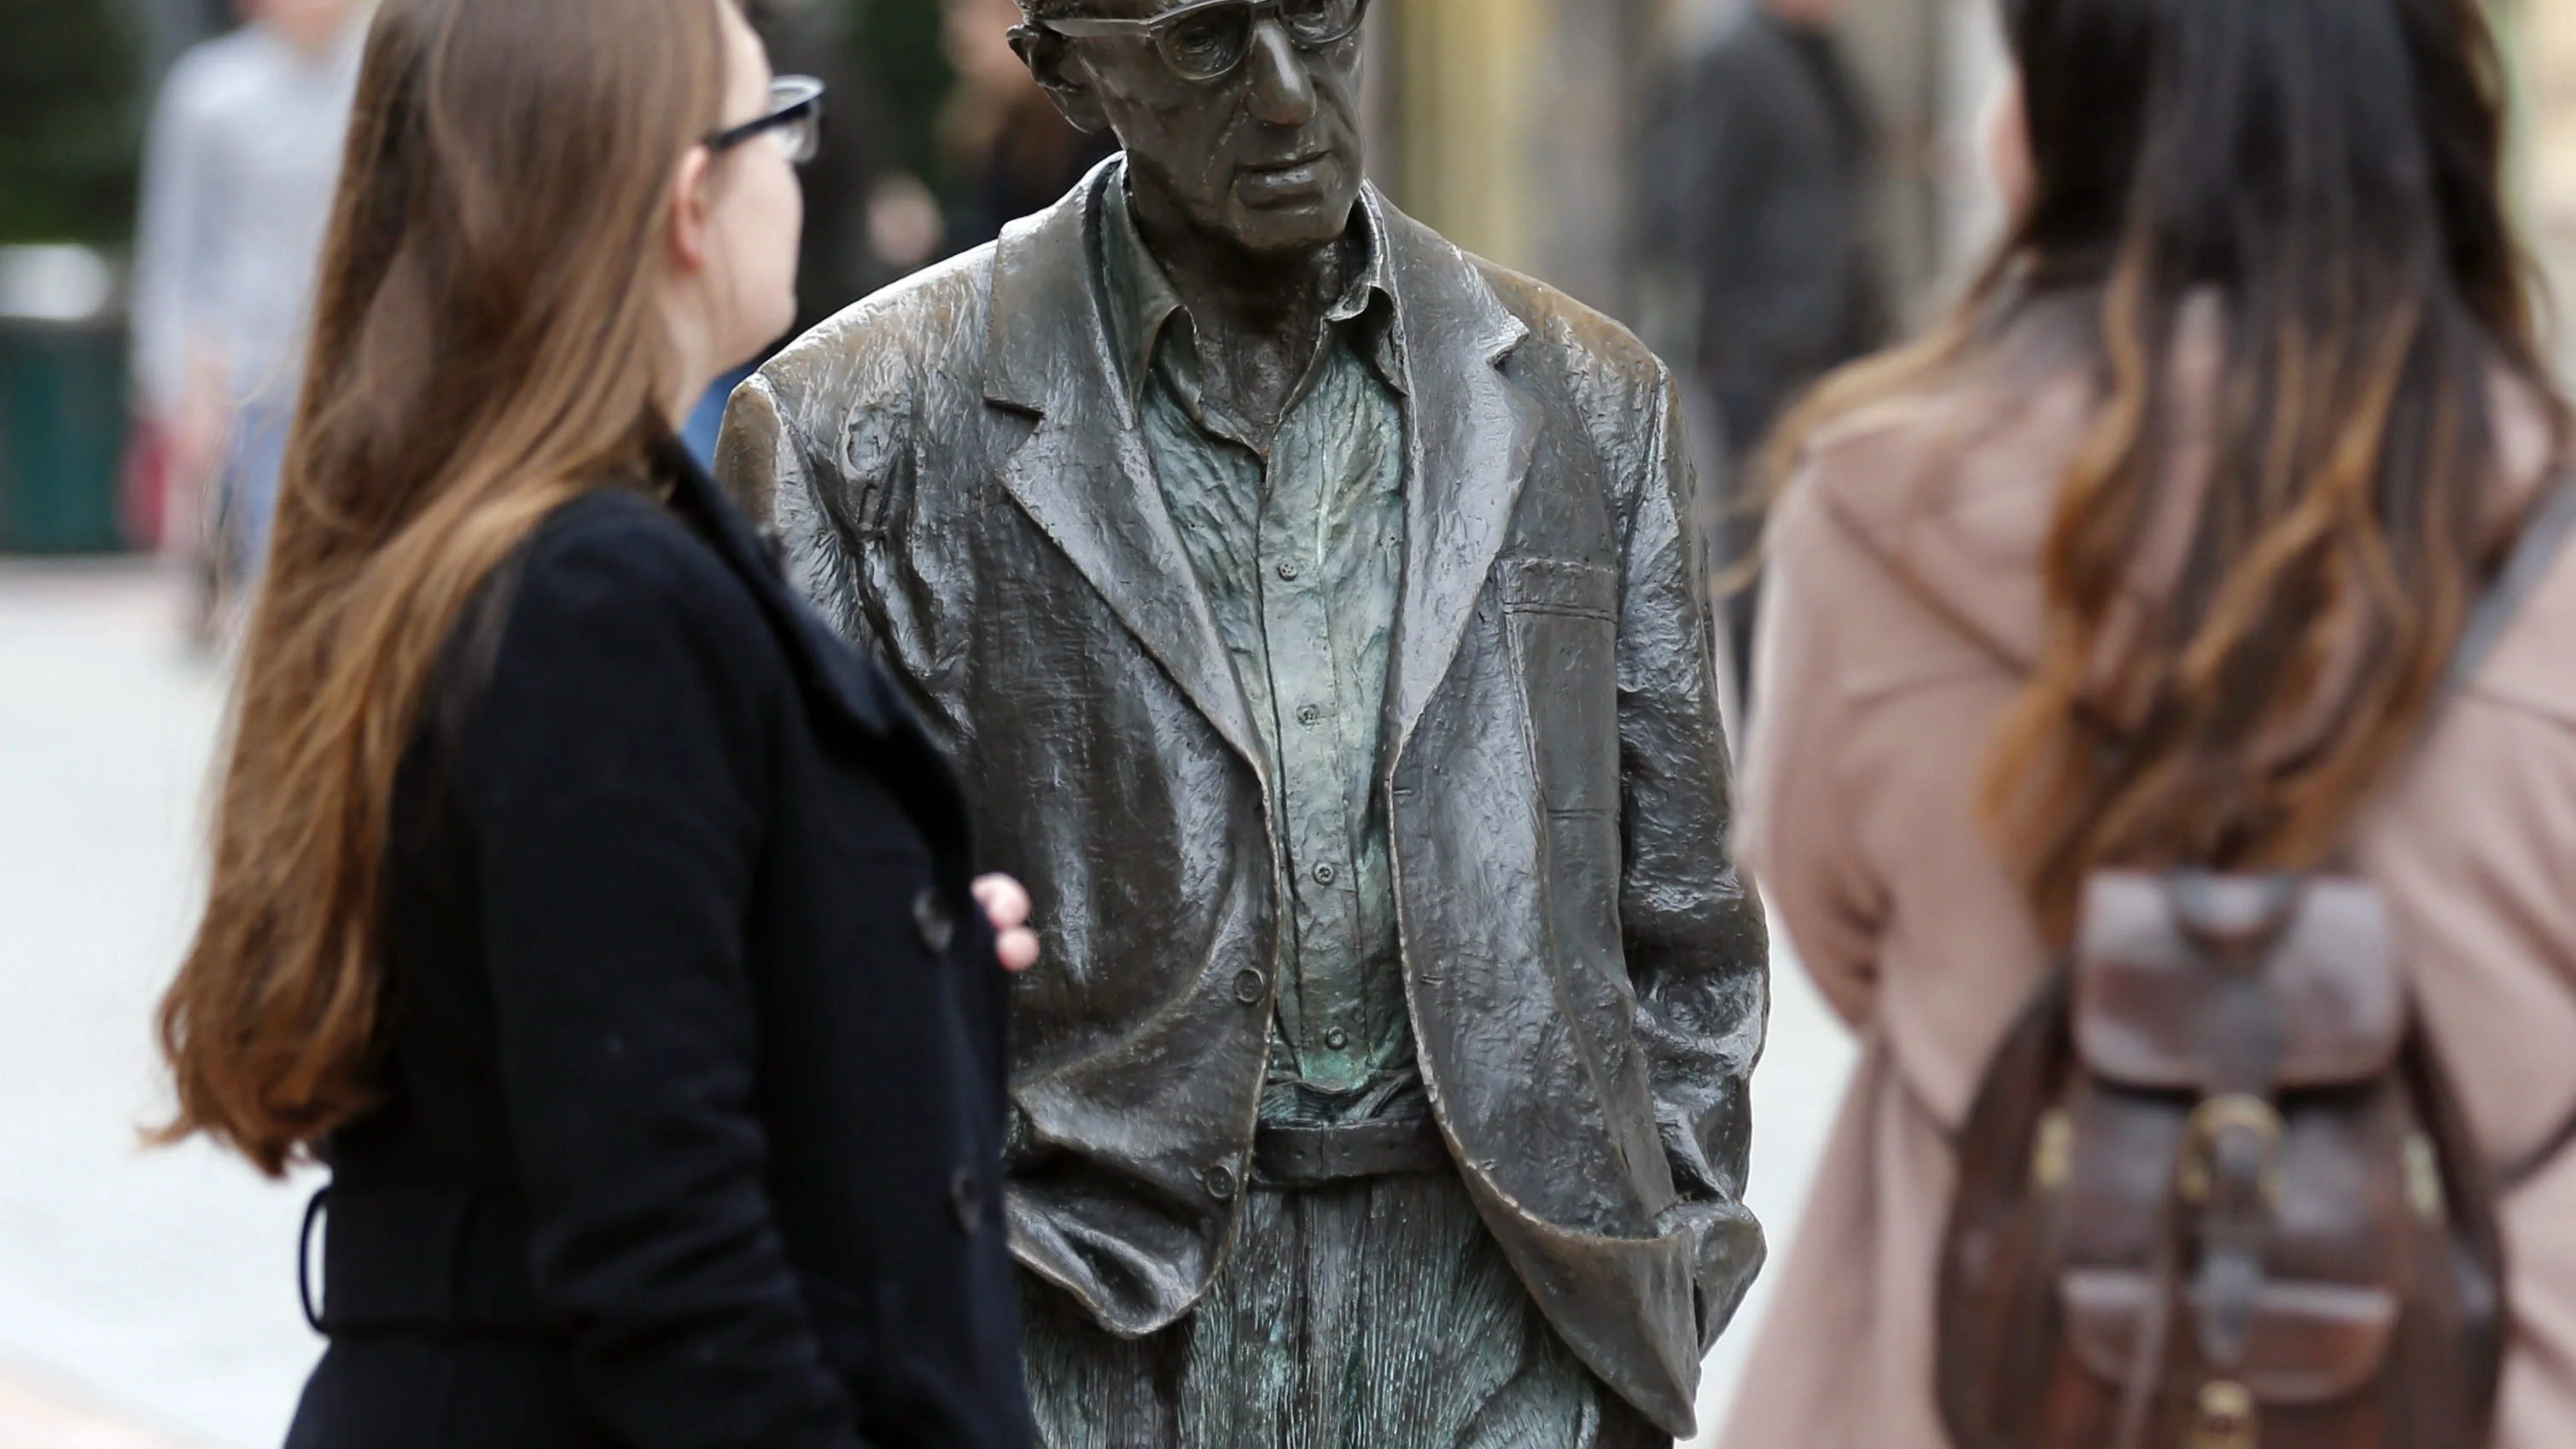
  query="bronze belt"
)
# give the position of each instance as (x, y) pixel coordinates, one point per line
(1298, 1157)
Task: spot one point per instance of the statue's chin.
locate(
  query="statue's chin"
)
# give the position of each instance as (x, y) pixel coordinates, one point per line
(1287, 229)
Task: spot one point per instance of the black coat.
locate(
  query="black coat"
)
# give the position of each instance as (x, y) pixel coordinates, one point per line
(692, 1050)
(957, 470)
(1765, 161)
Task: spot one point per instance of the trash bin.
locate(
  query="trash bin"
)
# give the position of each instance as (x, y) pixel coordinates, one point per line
(62, 418)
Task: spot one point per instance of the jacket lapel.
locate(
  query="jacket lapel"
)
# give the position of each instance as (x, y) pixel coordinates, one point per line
(1473, 435)
(1084, 475)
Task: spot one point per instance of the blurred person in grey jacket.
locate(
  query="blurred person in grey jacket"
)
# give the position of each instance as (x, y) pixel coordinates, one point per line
(1764, 155)
(237, 180)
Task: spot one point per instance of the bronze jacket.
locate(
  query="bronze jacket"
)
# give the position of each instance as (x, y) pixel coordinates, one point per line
(963, 487)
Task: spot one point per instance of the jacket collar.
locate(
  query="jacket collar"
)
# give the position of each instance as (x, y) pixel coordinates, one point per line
(1086, 479)
(1473, 432)
(1146, 314)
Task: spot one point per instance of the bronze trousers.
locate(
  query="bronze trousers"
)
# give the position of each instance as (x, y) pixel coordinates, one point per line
(1372, 1314)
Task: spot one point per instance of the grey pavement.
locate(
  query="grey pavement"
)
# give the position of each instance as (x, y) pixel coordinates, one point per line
(1795, 1095)
(153, 1285)
(147, 1297)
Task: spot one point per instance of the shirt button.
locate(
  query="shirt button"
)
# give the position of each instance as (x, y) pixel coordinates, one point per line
(937, 926)
(1325, 874)
(1251, 987)
(966, 1199)
(1336, 1039)
(1309, 716)
(1219, 1181)
(1288, 572)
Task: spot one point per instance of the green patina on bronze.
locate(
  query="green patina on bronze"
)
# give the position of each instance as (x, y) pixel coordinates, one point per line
(1298, 540)
(1360, 1314)
(1308, 575)
(1376, 1314)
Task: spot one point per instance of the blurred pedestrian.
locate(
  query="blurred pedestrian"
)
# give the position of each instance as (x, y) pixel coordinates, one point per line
(1765, 155)
(599, 918)
(1008, 151)
(237, 179)
(2157, 556)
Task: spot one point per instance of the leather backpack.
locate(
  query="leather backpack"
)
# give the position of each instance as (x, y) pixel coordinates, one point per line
(2215, 1191)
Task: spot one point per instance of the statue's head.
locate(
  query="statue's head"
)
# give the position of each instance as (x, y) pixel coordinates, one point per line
(1243, 113)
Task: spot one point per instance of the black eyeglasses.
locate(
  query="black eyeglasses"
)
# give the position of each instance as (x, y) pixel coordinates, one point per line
(795, 119)
(1208, 39)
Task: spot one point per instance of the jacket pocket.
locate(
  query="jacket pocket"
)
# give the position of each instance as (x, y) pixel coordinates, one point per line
(1562, 615)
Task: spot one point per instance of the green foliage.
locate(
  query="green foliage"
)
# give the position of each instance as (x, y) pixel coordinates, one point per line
(70, 132)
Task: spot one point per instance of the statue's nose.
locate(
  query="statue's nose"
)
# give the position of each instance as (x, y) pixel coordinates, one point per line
(1281, 89)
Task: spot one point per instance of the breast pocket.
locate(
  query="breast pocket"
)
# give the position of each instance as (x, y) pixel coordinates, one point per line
(1564, 623)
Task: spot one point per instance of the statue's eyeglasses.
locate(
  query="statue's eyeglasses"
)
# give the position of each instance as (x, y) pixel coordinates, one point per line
(795, 119)
(1207, 40)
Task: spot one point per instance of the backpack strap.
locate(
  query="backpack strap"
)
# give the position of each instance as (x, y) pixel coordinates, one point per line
(2544, 536)
(2519, 1173)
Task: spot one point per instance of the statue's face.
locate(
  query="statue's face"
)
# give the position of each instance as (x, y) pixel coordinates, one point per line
(1266, 156)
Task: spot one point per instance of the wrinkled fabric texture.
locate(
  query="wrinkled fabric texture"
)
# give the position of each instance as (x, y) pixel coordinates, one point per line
(1300, 547)
(964, 486)
(1363, 1315)
(682, 965)
(1909, 606)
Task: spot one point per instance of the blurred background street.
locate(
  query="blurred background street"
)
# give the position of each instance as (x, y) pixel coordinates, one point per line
(147, 1298)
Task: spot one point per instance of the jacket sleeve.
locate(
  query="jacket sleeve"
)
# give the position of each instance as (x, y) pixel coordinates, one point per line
(821, 449)
(769, 467)
(1797, 834)
(614, 773)
(1697, 952)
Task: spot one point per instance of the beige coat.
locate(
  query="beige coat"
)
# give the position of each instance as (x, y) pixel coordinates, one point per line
(1905, 603)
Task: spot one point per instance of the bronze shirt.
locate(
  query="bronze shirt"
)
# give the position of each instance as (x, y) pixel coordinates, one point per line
(1300, 549)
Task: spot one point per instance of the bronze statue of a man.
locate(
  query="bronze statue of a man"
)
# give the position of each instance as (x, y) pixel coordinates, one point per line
(1309, 604)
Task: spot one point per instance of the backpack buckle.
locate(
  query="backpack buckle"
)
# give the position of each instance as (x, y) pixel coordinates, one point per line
(2234, 1139)
(2225, 1416)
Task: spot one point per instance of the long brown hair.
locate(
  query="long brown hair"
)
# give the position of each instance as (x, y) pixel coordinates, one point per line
(2326, 174)
(486, 346)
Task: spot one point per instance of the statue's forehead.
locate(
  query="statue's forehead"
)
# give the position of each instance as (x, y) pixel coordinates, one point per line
(1114, 9)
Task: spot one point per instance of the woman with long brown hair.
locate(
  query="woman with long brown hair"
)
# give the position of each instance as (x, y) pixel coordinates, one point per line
(598, 918)
(2158, 556)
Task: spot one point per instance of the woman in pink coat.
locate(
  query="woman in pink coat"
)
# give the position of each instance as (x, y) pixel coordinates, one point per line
(2157, 554)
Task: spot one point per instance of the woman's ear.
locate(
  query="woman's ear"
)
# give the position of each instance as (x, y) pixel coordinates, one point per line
(691, 206)
(1050, 59)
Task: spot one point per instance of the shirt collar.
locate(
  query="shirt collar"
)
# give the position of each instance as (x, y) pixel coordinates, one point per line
(1142, 302)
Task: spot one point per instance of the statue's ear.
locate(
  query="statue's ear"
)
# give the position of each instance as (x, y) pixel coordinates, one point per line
(1050, 58)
